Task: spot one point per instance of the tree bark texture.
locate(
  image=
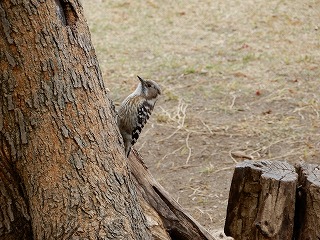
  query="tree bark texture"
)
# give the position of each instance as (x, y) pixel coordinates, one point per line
(63, 174)
(178, 224)
(262, 201)
(307, 224)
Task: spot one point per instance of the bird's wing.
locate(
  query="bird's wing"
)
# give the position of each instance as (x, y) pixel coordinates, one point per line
(144, 111)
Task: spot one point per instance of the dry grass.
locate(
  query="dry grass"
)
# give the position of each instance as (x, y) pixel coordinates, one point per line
(238, 77)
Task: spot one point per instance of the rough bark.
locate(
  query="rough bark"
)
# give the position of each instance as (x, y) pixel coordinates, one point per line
(179, 225)
(307, 219)
(262, 201)
(63, 174)
(14, 216)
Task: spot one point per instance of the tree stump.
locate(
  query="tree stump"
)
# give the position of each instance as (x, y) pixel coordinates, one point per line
(307, 220)
(262, 201)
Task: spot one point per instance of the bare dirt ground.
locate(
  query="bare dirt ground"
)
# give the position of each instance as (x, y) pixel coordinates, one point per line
(238, 77)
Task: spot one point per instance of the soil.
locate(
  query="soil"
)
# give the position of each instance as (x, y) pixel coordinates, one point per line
(240, 80)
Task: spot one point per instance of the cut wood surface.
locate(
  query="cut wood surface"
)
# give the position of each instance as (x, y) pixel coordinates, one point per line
(262, 201)
(308, 202)
(177, 222)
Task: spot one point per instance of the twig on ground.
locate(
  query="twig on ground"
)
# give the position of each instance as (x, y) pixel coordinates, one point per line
(168, 154)
(190, 150)
(223, 169)
(233, 101)
(179, 118)
(206, 126)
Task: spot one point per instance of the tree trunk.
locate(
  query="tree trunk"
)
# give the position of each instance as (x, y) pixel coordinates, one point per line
(262, 201)
(63, 174)
(307, 224)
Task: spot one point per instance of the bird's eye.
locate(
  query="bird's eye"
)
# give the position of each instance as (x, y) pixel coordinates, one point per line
(148, 85)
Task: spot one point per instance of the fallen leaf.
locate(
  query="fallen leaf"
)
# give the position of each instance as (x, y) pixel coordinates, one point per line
(241, 154)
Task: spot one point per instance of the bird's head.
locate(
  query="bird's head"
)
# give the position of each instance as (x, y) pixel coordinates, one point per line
(150, 89)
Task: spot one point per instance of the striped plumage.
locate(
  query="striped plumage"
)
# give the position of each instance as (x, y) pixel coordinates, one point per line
(135, 110)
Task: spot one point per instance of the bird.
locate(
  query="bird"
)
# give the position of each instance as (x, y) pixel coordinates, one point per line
(135, 110)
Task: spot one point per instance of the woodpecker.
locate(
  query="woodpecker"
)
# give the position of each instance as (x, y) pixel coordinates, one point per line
(135, 110)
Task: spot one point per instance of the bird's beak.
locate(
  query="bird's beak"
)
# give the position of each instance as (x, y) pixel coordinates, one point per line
(141, 80)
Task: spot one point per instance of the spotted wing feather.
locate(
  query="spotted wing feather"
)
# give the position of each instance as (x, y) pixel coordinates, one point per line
(144, 112)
